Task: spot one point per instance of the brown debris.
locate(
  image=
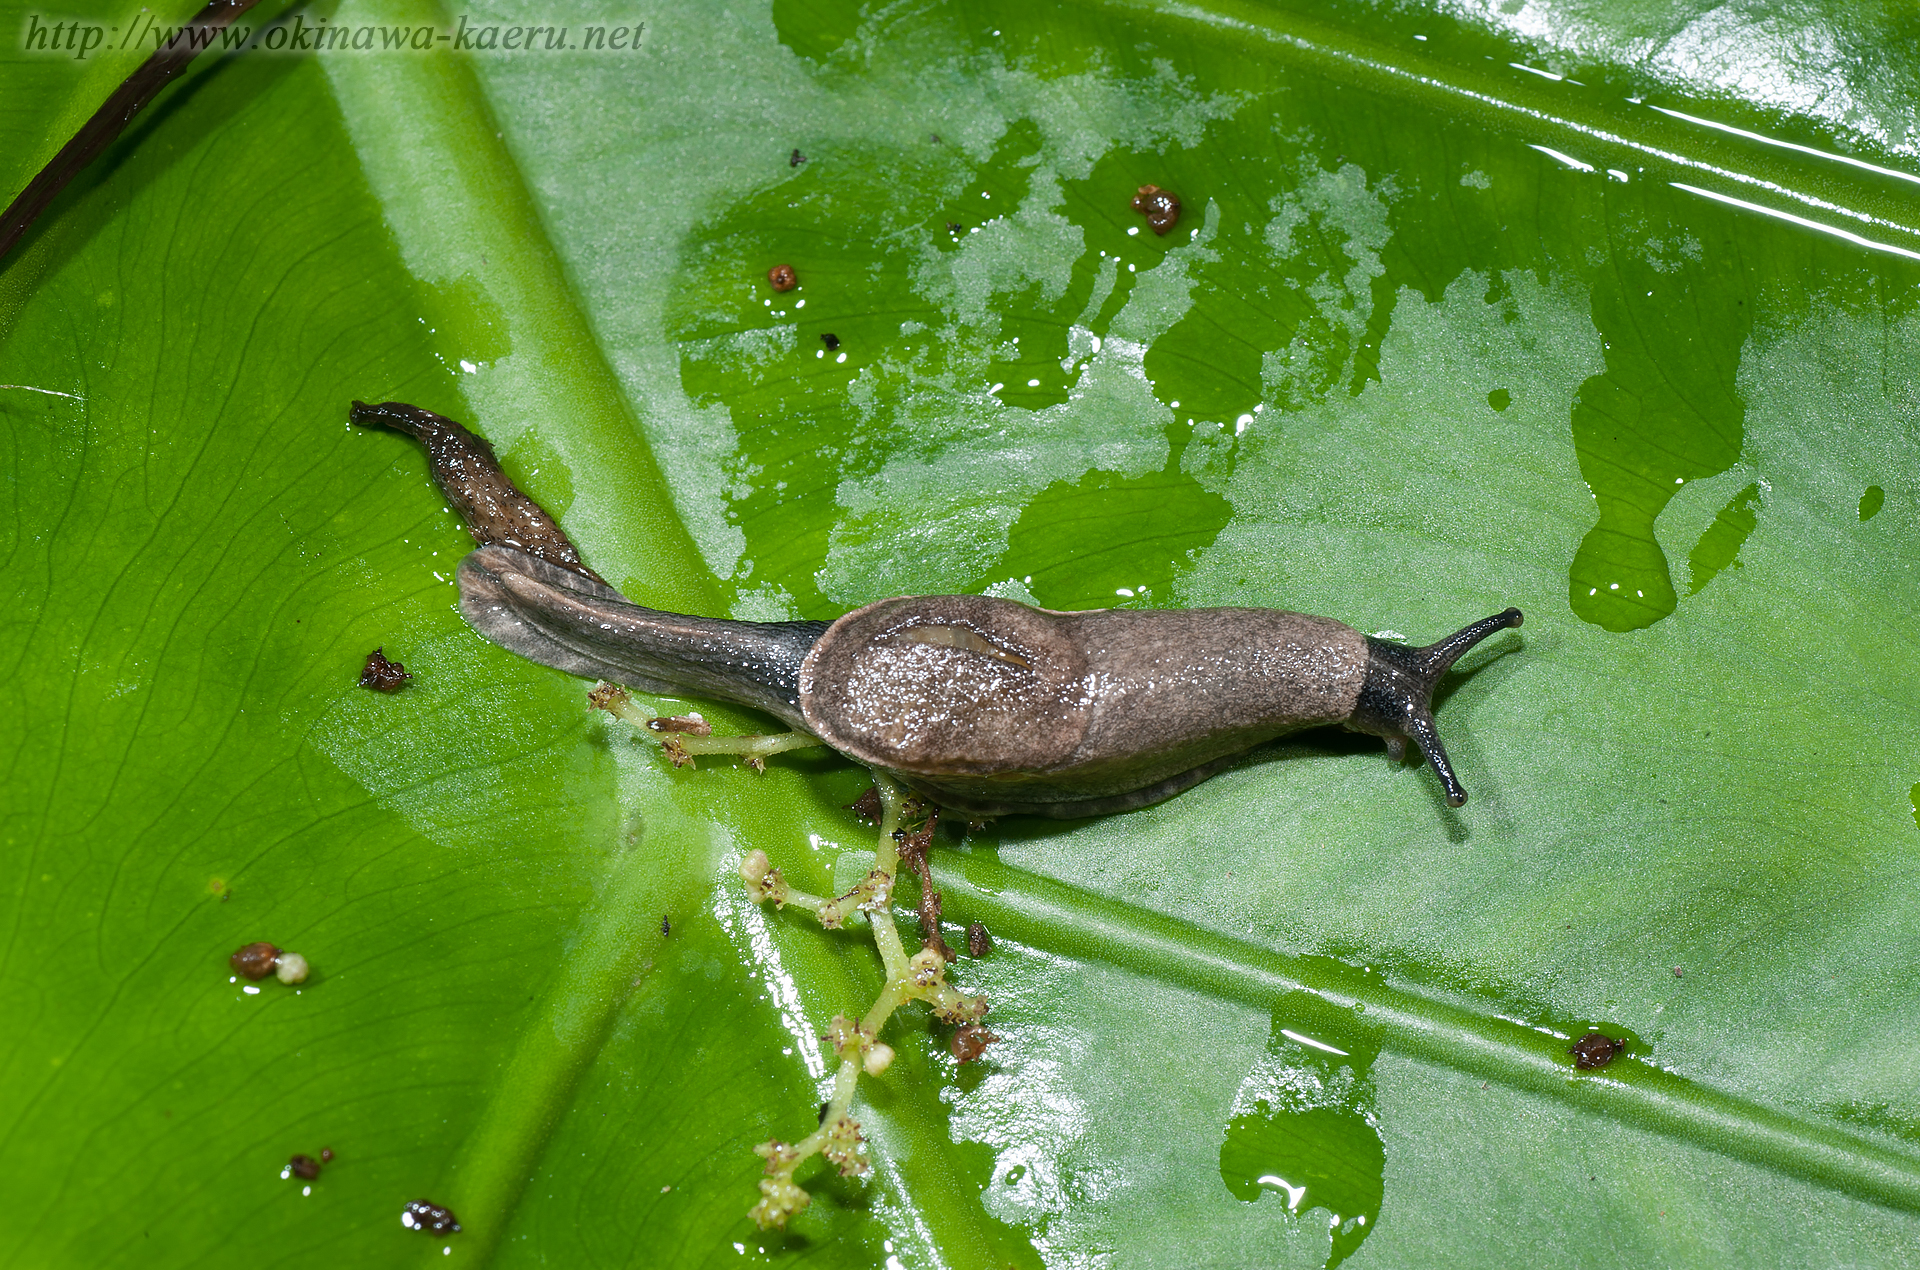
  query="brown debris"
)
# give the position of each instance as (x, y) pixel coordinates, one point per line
(783, 277)
(304, 1167)
(1160, 207)
(326, 1155)
(979, 942)
(795, 159)
(913, 852)
(831, 340)
(1595, 1050)
(606, 696)
(683, 723)
(867, 806)
(383, 675)
(255, 961)
(970, 1041)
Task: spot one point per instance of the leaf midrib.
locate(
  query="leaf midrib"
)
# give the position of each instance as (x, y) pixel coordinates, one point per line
(497, 224)
(1067, 921)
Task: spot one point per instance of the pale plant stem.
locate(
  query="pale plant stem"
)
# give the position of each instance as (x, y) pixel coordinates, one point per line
(812, 903)
(615, 701)
(921, 977)
(845, 1081)
(890, 1000)
(747, 746)
(886, 860)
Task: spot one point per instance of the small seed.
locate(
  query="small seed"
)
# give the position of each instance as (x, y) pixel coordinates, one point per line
(255, 961)
(1595, 1050)
(1160, 207)
(970, 1041)
(429, 1218)
(783, 277)
(608, 697)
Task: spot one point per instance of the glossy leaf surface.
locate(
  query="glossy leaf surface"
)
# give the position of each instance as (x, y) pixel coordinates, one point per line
(1616, 328)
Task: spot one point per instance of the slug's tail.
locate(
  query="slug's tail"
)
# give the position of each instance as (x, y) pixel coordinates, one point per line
(1396, 702)
(560, 618)
(463, 466)
(527, 590)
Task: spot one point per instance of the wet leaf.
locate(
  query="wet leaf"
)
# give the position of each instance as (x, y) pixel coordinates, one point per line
(1615, 328)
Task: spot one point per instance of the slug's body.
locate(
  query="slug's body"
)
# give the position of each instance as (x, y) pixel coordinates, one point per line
(990, 706)
(986, 706)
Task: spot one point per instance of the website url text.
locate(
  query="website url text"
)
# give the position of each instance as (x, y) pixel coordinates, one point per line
(79, 39)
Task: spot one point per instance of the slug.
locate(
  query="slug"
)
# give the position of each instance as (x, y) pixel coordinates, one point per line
(985, 706)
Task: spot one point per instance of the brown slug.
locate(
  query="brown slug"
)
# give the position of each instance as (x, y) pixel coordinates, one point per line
(985, 706)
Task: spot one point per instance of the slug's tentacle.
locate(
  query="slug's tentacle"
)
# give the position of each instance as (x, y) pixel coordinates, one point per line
(1437, 659)
(463, 466)
(1426, 734)
(1396, 701)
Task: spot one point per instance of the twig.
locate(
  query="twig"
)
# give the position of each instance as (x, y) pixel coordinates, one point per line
(913, 852)
(108, 122)
(921, 977)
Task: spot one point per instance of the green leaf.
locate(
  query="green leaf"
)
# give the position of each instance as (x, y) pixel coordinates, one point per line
(1614, 328)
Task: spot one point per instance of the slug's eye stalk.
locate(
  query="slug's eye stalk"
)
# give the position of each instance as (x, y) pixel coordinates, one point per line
(1396, 702)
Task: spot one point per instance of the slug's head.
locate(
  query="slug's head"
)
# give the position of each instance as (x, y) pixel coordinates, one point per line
(1396, 702)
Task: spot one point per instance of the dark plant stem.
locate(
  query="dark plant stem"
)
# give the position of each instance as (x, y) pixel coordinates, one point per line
(112, 118)
(913, 852)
